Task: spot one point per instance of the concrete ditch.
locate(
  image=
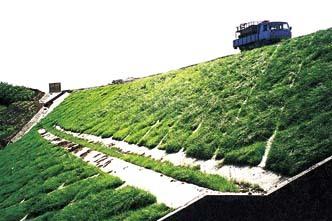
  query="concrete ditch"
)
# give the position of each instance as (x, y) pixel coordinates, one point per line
(166, 189)
(307, 196)
(49, 103)
(253, 175)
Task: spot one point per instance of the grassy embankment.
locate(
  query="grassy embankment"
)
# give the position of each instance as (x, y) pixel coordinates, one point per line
(48, 183)
(229, 107)
(17, 106)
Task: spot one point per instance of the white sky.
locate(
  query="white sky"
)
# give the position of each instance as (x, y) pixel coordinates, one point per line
(87, 43)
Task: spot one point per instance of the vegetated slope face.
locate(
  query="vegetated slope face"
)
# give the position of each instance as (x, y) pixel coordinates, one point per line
(228, 107)
(17, 106)
(41, 182)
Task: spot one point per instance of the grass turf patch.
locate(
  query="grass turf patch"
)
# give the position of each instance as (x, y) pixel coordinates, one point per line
(251, 155)
(47, 183)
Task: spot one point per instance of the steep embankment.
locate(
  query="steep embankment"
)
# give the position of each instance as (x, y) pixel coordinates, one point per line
(17, 106)
(229, 108)
(268, 108)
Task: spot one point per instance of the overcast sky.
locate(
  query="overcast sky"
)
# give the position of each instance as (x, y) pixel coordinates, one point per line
(88, 43)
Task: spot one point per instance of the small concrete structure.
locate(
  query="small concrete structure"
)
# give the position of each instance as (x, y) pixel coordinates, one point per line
(54, 87)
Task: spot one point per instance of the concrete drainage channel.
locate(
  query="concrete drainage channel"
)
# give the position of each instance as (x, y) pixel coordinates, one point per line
(49, 103)
(306, 196)
(254, 175)
(166, 189)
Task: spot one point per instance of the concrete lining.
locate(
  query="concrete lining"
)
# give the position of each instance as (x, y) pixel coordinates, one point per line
(307, 196)
(253, 175)
(164, 188)
(49, 103)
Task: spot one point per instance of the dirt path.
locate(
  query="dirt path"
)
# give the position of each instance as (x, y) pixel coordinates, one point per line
(166, 189)
(254, 175)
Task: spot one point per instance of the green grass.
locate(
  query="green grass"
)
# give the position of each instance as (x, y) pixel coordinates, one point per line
(222, 107)
(17, 106)
(11, 94)
(2, 108)
(251, 155)
(33, 172)
(186, 174)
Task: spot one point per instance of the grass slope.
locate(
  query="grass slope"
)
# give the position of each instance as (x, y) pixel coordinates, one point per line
(47, 183)
(229, 107)
(17, 106)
